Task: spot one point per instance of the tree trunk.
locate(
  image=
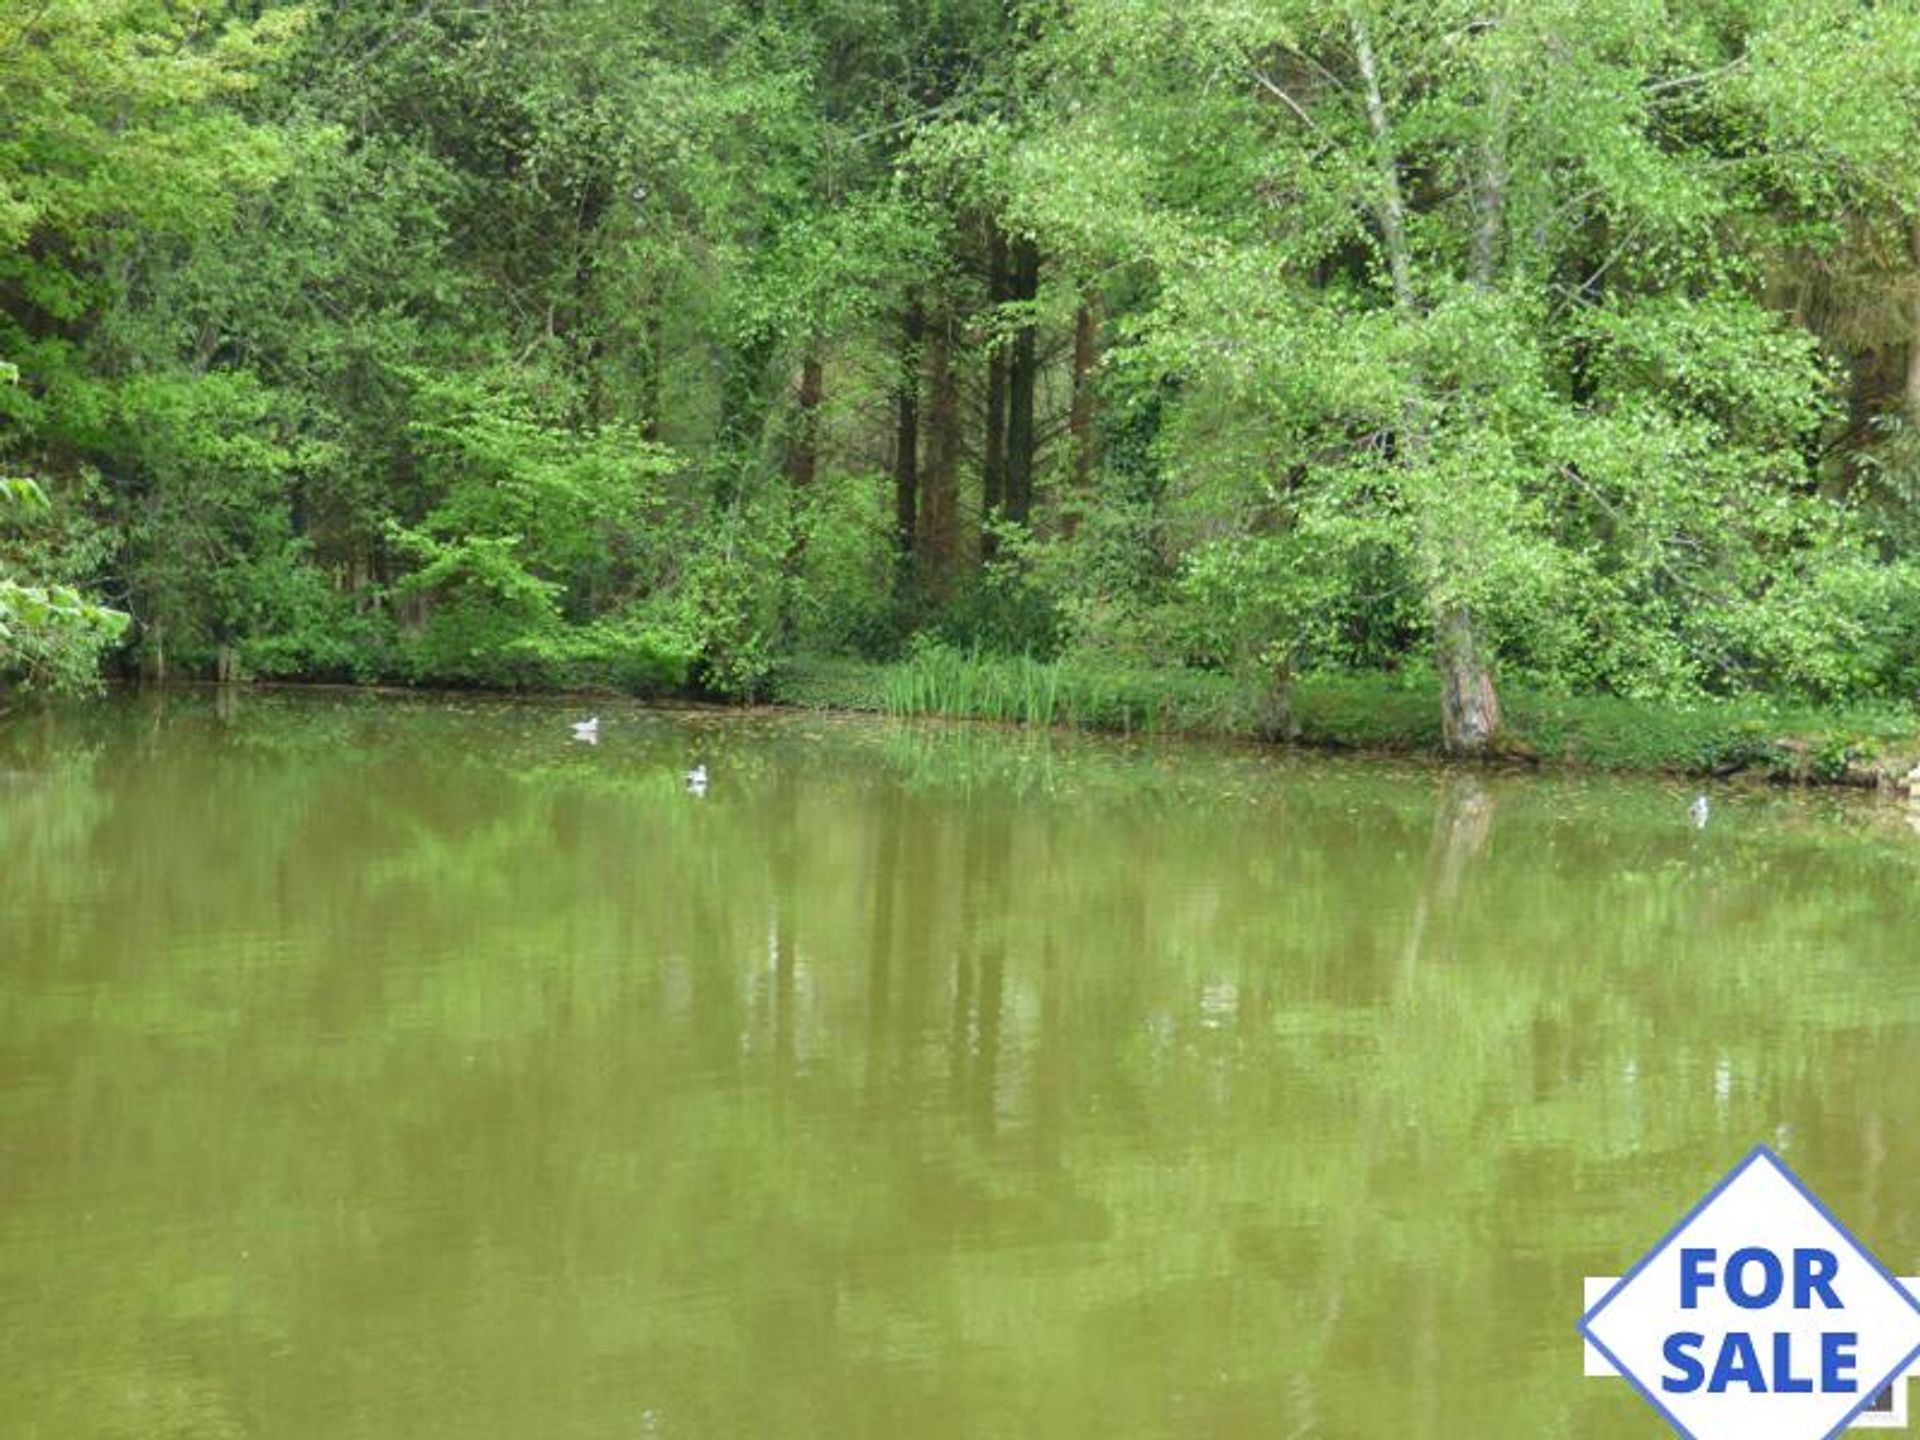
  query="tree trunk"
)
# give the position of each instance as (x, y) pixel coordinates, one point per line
(155, 663)
(1390, 207)
(1490, 187)
(1086, 354)
(803, 453)
(1023, 372)
(803, 464)
(993, 467)
(906, 449)
(1469, 704)
(939, 541)
(744, 413)
(1913, 343)
(652, 375)
(582, 340)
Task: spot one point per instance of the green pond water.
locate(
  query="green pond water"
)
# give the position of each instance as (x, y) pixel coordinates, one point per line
(376, 1067)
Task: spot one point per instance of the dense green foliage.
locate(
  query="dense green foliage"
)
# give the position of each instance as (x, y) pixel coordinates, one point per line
(1570, 346)
(50, 634)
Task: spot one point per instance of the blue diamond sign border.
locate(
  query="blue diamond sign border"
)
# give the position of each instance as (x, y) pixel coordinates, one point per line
(1758, 1154)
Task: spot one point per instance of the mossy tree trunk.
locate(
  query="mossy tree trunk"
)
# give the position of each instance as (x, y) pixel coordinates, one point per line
(1469, 702)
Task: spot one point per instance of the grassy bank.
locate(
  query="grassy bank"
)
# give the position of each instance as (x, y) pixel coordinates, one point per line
(1859, 745)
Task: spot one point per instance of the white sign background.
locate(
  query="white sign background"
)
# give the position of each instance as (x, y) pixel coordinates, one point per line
(1759, 1204)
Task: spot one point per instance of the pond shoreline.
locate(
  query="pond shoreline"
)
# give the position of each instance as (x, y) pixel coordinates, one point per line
(1862, 748)
(1855, 748)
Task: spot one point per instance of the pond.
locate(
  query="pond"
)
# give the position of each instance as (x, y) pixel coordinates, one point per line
(404, 1067)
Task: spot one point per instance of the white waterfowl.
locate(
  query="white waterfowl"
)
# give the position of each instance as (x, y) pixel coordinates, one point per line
(587, 730)
(697, 780)
(1697, 812)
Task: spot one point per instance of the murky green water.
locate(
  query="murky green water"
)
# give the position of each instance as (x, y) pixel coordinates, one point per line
(378, 1068)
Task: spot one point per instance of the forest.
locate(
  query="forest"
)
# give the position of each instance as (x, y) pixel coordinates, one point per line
(1562, 346)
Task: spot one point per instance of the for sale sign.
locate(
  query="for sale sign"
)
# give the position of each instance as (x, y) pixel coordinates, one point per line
(1758, 1316)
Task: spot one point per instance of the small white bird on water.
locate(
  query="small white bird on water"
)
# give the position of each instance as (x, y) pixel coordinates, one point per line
(697, 780)
(587, 730)
(1697, 812)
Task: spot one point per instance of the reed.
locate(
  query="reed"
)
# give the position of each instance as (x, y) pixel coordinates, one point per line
(1019, 690)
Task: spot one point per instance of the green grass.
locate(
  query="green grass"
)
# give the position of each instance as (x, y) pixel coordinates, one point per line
(1839, 745)
(1843, 744)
